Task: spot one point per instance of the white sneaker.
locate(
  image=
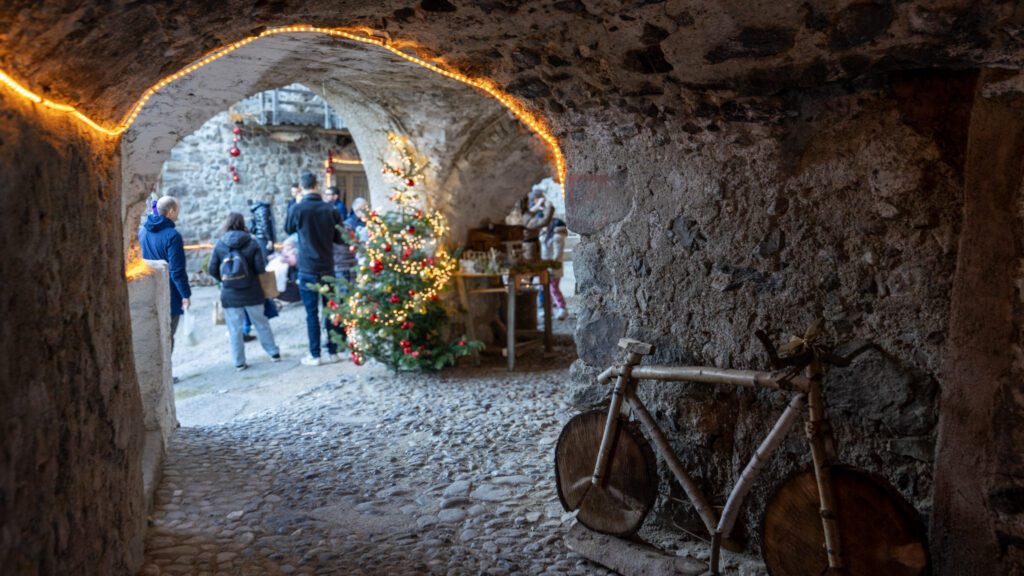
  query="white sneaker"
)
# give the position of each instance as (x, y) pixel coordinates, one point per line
(311, 361)
(337, 358)
(328, 358)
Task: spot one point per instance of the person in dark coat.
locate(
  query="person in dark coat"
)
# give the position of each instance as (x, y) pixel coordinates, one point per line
(263, 224)
(262, 231)
(160, 241)
(317, 225)
(332, 196)
(237, 263)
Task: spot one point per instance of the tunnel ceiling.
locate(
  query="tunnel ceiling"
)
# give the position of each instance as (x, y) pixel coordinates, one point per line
(560, 54)
(359, 80)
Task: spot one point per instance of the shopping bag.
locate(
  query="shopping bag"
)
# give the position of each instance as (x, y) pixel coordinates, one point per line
(188, 327)
(268, 281)
(218, 313)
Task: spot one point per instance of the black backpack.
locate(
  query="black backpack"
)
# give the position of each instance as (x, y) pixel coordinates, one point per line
(234, 271)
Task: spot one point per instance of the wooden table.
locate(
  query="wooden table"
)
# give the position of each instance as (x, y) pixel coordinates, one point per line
(511, 281)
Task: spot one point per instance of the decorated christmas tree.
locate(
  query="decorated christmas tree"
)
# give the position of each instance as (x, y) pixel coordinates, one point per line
(392, 309)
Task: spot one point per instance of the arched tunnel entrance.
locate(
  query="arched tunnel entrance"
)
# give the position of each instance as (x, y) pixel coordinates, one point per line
(481, 161)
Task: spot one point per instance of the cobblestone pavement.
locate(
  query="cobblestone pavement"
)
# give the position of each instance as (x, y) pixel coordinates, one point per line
(374, 474)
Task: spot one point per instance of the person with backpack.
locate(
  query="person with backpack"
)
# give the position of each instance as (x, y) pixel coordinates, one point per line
(237, 262)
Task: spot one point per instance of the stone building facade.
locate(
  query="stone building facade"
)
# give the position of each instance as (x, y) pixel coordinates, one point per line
(271, 160)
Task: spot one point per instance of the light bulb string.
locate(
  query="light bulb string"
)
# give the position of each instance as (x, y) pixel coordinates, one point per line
(362, 35)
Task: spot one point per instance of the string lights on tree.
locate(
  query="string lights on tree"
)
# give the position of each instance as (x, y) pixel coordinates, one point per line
(392, 309)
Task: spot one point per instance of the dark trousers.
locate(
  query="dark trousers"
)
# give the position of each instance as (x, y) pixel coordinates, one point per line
(312, 300)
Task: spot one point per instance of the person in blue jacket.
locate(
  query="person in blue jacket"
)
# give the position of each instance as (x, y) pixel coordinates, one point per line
(160, 241)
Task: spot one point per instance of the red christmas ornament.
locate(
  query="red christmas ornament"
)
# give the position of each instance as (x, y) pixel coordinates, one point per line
(462, 342)
(419, 213)
(410, 182)
(407, 325)
(352, 248)
(411, 230)
(415, 354)
(377, 266)
(234, 151)
(394, 299)
(329, 169)
(412, 292)
(373, 317)
(236, 131)
(357, 359)
(235, 178)
(387, 247)
(332, 304)
(405, 344)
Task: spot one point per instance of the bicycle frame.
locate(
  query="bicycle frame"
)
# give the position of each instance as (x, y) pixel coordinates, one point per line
(806, 389)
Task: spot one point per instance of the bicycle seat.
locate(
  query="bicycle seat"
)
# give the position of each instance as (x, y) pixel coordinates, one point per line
(636, 346)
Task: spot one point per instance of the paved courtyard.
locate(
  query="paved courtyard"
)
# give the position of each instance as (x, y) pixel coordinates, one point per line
(346, 470)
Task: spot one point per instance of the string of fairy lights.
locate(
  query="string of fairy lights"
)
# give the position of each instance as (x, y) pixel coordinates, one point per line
(385, 247)
(361, 35)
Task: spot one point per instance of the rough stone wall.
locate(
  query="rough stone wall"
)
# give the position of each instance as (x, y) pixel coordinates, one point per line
(197, 173)
(71, 436)
(979, 475)
(840, 210)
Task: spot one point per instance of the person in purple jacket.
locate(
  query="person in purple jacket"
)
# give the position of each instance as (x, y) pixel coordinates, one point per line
(160, 241)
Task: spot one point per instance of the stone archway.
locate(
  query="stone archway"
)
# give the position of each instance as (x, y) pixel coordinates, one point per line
(481, 158)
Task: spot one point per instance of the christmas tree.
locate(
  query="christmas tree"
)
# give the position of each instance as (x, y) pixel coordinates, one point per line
(392, 309)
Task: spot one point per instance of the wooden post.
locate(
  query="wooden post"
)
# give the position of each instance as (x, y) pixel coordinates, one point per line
(545, 277)
(510, 324)
(467, 313)
(815, 432)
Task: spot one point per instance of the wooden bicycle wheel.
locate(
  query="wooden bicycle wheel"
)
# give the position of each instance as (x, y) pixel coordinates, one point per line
(879, 531)
(620, 506)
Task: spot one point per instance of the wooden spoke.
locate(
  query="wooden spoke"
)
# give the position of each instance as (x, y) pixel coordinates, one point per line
(879, 531)
(621, 504)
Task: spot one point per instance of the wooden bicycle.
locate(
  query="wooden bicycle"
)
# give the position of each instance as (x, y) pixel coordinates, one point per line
(832, 518)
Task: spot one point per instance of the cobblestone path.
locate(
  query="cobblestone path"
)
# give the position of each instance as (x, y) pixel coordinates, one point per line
(374, 474)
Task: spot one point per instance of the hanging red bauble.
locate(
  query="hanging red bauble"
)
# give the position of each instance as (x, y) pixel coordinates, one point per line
(234, 151)
(387, 247)
(235, 178)
(231, 168)
(373, 317)
(329, 169)
(236, 131)
(411, 229)
(410, 182)
(462, 342)
(353, 248)
(412, 292)
(235, 139)
(394, 299)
